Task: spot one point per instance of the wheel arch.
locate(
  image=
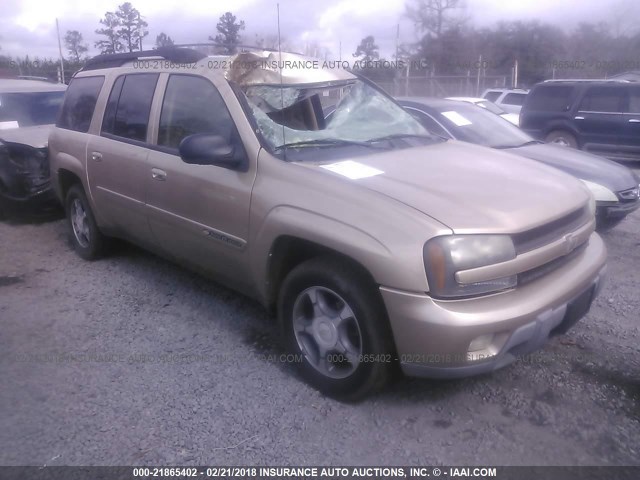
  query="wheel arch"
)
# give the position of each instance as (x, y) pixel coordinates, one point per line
(288, 251)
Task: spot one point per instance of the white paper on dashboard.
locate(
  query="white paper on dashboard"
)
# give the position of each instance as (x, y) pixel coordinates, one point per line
(8, 125)
(353, 170)
(456, 118)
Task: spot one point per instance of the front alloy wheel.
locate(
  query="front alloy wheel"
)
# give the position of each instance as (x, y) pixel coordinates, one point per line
(334, 320)
(327, 332)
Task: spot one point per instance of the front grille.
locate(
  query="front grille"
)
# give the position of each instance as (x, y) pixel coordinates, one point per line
(630, 195)
(547, 233)
(535, 273)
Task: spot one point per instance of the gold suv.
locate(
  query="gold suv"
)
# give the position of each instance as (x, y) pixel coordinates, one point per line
(311, 190)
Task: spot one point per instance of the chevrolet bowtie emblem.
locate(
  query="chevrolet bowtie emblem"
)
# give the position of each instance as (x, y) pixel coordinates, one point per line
(570, 242)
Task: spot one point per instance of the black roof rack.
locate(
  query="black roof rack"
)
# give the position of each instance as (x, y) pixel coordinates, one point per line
(173, 54)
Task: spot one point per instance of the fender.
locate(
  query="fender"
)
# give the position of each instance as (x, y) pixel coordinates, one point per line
(348, 240)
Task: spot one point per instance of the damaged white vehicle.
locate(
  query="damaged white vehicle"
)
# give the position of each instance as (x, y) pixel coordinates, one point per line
(28, 110)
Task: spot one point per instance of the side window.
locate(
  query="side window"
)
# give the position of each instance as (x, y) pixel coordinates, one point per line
(634, 100)
(193, 105)
(492, 96)
(551, 98)
(129, 105)
(602, 99)
(109, 119)
(79, 103)
(514, 99)
(428, 122)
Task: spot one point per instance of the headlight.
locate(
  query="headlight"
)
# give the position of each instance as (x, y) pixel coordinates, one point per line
(600, 192)
(446, 255)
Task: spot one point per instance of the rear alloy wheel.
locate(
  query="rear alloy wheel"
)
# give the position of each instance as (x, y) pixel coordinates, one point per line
(333, 318)
(562, 138)
(85, 236)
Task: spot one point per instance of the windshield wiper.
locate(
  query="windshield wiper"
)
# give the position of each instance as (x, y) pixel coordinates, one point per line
(396, 136)
(525, 144)
(325, 142)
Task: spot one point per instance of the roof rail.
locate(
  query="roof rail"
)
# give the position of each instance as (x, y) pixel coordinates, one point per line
(173, 54)
(34, 77)
(588, 80)
(216, 44)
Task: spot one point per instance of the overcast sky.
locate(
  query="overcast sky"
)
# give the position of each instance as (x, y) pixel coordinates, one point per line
(27, 27)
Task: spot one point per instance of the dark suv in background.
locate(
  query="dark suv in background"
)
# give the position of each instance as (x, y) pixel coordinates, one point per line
(602, 117)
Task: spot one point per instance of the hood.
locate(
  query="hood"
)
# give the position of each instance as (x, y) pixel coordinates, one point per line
(36, 136)
(583, 165)
(468, 188)
(512, 118)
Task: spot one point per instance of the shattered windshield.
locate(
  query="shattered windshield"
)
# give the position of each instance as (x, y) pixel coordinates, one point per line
(334, 114)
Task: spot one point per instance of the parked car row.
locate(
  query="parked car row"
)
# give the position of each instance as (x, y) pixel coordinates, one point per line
(510, 100)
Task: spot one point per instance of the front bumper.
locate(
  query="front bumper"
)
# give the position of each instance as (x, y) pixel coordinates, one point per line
(615, 210)
(433, 336)
(41, 199)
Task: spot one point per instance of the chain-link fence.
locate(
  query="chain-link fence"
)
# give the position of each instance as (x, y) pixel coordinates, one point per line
(443, 86)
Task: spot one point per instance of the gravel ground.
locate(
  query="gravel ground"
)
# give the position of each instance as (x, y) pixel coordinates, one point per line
(132, 360)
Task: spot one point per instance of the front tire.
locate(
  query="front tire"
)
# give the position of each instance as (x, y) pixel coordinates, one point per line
(86, 238)
(333, 317)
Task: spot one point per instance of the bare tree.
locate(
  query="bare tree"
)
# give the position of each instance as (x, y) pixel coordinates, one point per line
(75, 45)
(434, 16)
(367, 51)
(624, 18)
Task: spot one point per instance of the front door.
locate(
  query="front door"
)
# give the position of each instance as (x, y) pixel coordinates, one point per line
(198, 213)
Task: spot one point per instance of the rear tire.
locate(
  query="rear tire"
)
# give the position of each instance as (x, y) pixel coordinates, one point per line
(563, 138)
(334, 319)
(86, 238)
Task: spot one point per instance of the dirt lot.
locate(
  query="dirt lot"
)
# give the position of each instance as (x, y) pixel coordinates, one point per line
(131, 360)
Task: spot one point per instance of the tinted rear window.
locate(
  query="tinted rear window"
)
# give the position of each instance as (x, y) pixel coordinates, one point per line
(30, 108)
(552, 98)
(79, 103)
(603, 99)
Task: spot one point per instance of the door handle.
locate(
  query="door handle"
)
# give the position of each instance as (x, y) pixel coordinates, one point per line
(96, 156)
(158, 174)
(634, 120)
(578, 118)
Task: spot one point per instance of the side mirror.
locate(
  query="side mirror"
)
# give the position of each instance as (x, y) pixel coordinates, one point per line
(208, 149)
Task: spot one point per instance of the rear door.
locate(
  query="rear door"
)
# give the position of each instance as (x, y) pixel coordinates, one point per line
(629, 143)
(117, 158)
(198, 213)
(599, 118)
